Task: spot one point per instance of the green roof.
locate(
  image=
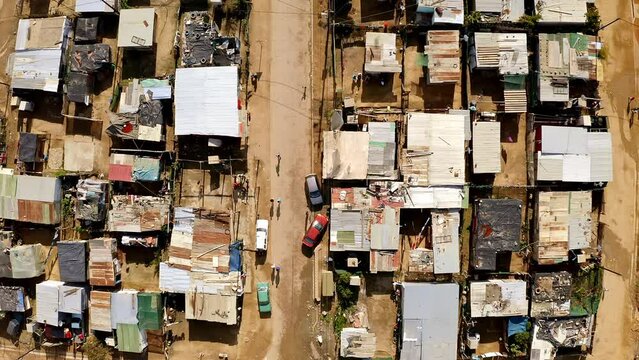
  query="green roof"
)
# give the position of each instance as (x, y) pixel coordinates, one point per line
(150, 311)
(130, 338)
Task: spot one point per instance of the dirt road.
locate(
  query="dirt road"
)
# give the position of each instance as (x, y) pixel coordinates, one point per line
(614, 337)
(280, 106)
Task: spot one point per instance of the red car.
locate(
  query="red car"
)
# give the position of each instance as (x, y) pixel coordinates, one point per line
(315, 231)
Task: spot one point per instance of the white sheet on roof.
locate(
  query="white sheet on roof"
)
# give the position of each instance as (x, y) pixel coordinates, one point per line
(441, 197)
(47, 298)
(600, 147)
(36, 69)
(37, 188)
(124, 307)
(564, 140)
(206, 101)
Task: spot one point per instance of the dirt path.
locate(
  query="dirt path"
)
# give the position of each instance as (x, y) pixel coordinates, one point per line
(614, 337)
(280, 36)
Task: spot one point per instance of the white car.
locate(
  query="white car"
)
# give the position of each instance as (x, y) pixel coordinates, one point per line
(261, 235)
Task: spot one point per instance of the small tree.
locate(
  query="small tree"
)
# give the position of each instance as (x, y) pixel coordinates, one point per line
(530, 21)
(473, 18)
(593, 20)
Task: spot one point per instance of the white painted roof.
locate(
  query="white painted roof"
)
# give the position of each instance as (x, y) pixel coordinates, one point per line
(36, 69)
(47, 298)
(486, 147)
(381, 53)
(124, 307)
(564, 140)
(506, 51)
(136, 28)
(438, 197)
(206, 101)
(600, 148)
(174, 280)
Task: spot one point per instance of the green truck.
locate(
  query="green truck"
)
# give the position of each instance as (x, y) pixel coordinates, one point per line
(263, 299)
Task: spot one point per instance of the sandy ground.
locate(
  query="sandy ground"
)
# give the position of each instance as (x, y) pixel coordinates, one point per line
(281, 123)
(615, 337)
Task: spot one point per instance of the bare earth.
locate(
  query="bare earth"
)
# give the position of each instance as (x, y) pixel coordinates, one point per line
(615, 335)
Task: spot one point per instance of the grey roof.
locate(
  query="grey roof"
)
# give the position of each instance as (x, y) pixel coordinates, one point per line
(497, 229)
(430, 315)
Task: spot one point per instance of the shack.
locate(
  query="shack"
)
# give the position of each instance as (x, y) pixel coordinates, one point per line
(430, 321)
(551, 294)
(136, 28)
(104, 267)
(206, 101)
(27, 261)
(496, 229)
(138, 214)
(39, 49)
(486, 147)
(500, 10)
(381, 53)
(72, 260)
(562, 223)
(432, 12)
(434, 153)
(442, 57)
(31, 199)
(498, 298)
(91, 201)
(134, 168)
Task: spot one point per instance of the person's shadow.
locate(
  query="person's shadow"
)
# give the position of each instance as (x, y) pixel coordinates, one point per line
(277, 167)
(278, 211)
(277, 278)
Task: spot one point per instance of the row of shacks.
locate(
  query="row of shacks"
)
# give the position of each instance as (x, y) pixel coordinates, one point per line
(129, 206)
(411, 163)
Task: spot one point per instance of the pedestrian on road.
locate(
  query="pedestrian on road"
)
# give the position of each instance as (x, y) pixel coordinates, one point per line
(272, 199)
(277, 268)
(279, 157)
(279, 200)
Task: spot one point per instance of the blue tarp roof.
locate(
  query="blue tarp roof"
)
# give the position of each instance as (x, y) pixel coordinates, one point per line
(235, 263)
(517, 325)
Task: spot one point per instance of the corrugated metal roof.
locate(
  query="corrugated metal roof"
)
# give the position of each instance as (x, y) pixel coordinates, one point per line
(445, 225)
(515, 101)
(600, 149)
(131, 338)
(100, 311)
(174, 280)
(576, 168)
(497, 298)
(564, 140)
(357, 343)
(486, 147)
(430, 316)
(93, 6)
(381, 150)
(563, 222)
(347, 231)
(136, 27)
(561, 11)
(466, 114)
(439, 197)
(102, 271)
(551, 295)
(27, 261)
(506, 51)
(384, 261)
(385, 229)
(381, 53)
(130, 213)
(345, 155)
(211, 307)
(442, 52)
(550, 167)
(36, 69)
(206, 101)
(437, 145)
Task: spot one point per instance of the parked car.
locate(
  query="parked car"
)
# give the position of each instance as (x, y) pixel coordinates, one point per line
(314, 232)
(263, 298)
(261, 235)
(313, 191)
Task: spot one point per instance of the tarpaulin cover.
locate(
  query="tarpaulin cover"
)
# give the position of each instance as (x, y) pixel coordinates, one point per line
(79, 87)
(151, 113)
(72, 259)
(150, 311)
(26, 261)
(123, 126)
(91, 204)
(27, 147)
(146, 169)
(86, 29)
(90, 58)
(235, 263)
(131, 338)
(119, 172)
(517, 325)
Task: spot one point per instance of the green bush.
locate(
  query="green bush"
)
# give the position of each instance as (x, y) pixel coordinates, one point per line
(346, 294)
(95, 349)
(593, 20)
(529, 21)
(473, 18)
